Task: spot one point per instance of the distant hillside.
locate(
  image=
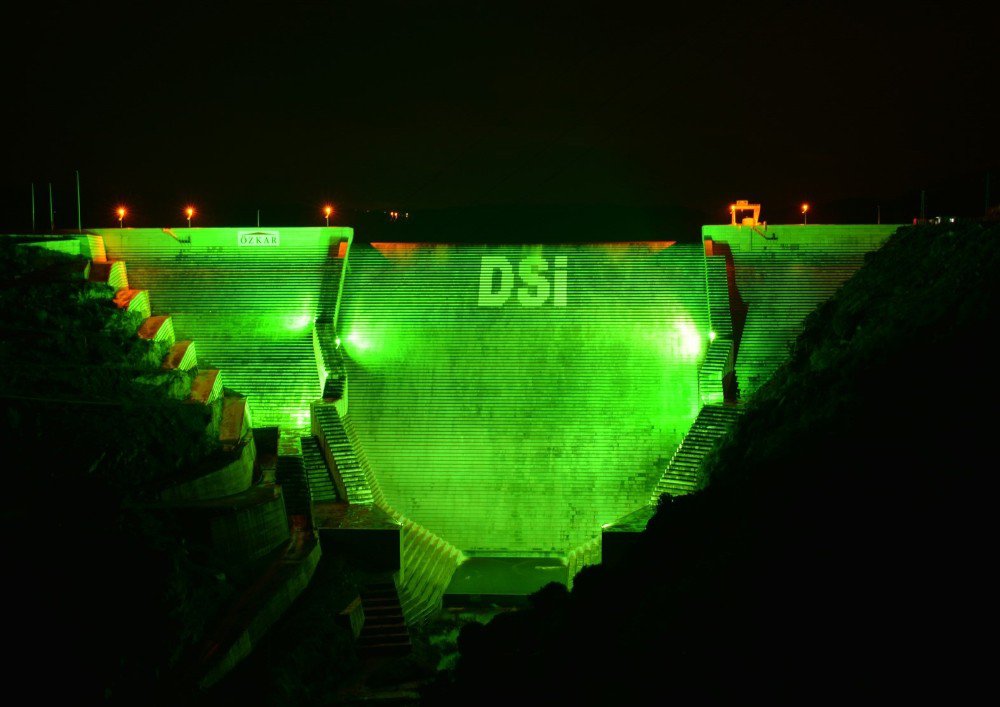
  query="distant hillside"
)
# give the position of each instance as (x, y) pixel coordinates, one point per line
(532, 224)
(844, 544)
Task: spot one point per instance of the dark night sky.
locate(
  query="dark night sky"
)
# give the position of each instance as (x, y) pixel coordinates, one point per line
(371, 105)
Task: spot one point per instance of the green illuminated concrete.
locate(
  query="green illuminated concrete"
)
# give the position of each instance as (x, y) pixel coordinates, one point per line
(783, 280)
(512, 400)
(248, 301)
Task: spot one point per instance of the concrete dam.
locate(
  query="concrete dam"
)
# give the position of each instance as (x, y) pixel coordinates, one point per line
(508, 401)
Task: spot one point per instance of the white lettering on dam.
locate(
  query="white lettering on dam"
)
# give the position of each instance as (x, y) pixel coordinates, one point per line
(532, 271)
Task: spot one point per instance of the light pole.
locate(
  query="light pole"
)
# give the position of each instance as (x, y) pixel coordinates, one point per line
(327, 210)
(121, 216)
(189, 212)
(805, 214)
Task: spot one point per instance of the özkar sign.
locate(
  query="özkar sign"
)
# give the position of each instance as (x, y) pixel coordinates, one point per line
(258, 238)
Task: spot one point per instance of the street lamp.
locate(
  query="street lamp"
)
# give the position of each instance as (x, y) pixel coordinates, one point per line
(121, 216)
(805, 214)
(189, 212)
(327, 210)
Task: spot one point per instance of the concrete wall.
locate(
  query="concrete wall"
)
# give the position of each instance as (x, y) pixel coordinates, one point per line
(250, 532)
(232, 478)
(519, 425)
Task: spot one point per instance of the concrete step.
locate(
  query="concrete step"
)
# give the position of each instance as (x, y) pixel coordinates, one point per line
(109, 272)
(321, 482)
(158, 328)
(133, 301)
(385, 630)
(235, 421)
(182, 356)
(207, 386)
(342, 458)
(684, 471)
(290, 475)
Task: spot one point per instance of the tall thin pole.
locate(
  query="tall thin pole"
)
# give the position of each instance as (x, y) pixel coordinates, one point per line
(32, 207)
(79, 222)
(52, 218)
(258, 218)
(878, 213)
(986, 205)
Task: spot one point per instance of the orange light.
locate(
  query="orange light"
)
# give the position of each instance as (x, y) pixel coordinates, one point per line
(327, 210)
(121, 212)
(189, 212)
(805, 207)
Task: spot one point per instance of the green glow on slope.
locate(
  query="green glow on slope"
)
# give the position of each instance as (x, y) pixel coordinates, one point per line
(689, 345)
(300, 419)
(359, 342)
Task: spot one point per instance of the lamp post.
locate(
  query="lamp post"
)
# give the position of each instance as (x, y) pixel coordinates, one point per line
(327, 210)
(805, 214)
(121, 216)
(189, 212)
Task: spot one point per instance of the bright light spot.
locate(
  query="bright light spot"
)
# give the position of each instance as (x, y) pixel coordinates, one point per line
(358, 341)
(121, 212)
(711, 336)
(327, 210)
(337, 342)
(300, 419)
(189, 212)
(805, 207)
(690, 340)
(299, 323)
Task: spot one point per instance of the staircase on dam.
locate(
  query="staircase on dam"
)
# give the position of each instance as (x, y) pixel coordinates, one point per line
(385, 629)
(320, 480)
(720, 357)
(683, 474)
(426, 561)
(290, 474)
(342, 457)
